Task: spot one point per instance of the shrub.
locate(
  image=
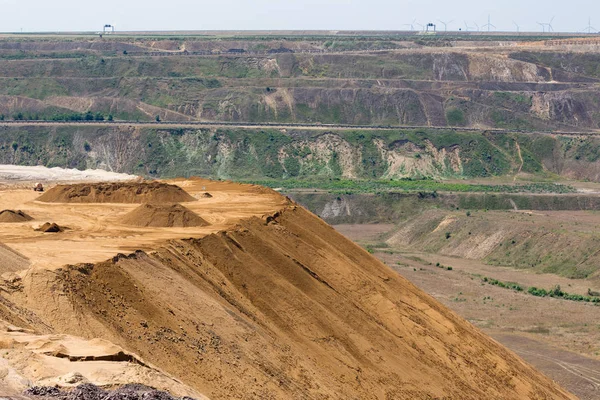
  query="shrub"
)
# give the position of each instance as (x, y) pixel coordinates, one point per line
(455, 117)
(448, 235)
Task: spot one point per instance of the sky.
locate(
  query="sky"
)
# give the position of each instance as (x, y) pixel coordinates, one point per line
(145, 15)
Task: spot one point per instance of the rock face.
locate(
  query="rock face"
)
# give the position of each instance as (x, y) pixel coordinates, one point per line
(255, 154)
(283, 307)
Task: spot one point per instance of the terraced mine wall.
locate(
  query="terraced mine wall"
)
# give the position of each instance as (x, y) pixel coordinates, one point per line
(378, 81)
(280, 154)
(395, 207)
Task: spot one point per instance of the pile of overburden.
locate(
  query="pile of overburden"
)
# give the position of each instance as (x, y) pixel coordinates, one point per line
(121, 192)
(51, 227)
(88, 391)
(163, 216)
(10, 216)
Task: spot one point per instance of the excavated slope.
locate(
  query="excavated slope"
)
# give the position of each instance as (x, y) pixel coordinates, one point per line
(281, 307)
(163, 215)
(146, 192)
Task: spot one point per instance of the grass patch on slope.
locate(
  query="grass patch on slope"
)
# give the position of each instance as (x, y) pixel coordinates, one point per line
(410, 185)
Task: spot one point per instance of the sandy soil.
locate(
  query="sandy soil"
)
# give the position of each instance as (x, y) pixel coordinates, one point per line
(97, 232)
(266, 302)
(62, 360)
(579, 374)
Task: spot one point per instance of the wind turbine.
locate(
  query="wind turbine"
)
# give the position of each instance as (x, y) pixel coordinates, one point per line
(476, 26)
(467, 27)
(489, 24)
(518, 27)
(412, 25)
(547, 24)
(445, 24)
(421, 25)
(590, 28)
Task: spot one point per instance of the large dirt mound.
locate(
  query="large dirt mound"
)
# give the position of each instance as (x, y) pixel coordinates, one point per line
(163, 215)
(146, 192)
(284, 307)
(10, 216)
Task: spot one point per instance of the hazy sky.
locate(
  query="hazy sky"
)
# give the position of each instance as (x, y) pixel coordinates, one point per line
(83, 15)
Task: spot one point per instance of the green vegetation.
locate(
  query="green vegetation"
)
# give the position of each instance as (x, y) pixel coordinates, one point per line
(455, 117)
(556, 291)
(447, 268)
(506, 285)
(427, 187)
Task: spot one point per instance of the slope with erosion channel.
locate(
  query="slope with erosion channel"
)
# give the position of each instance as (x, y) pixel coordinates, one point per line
(558, 242)
(261, 154)
(277, 307)
(552, 233)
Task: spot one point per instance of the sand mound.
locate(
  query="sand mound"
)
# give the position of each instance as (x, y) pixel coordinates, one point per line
(206, 195)
(50, 227)
(295, 300)
(163, 215)
(11, 216)
(147, 192)
(11, 260)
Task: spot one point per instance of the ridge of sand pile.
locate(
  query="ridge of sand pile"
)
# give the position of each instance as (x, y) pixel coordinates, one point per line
(10, 216)
(126, 192)
(50, 227)
(164, 216)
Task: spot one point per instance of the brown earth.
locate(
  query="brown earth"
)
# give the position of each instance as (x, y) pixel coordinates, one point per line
(267, 302)
(10, 216)
(163, 215)
(146, 192)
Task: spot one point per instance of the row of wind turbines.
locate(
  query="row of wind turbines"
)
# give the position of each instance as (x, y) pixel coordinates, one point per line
(471, 26)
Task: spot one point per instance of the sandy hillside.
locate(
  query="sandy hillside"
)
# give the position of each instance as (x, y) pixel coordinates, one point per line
(266, 302)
